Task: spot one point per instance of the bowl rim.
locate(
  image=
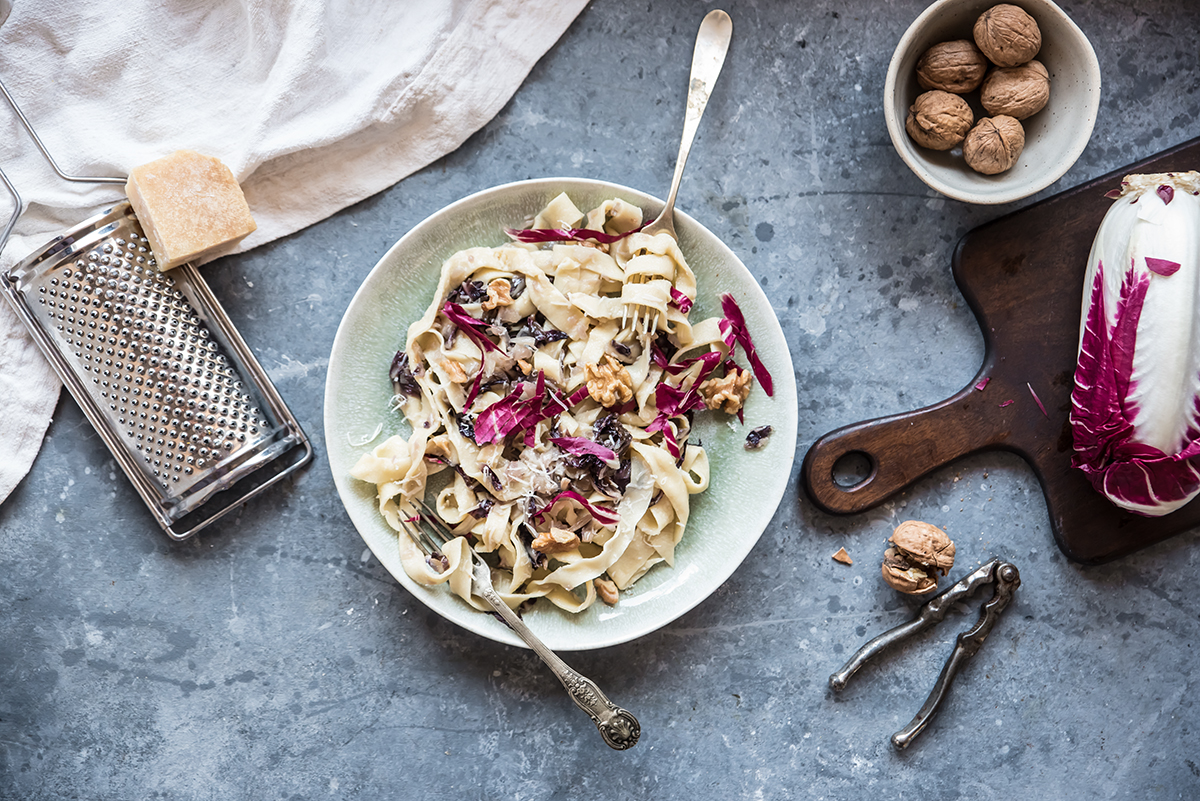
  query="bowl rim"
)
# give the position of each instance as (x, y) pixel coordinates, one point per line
(897, 133)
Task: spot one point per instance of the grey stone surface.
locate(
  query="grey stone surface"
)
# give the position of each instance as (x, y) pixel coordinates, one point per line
(273, 657)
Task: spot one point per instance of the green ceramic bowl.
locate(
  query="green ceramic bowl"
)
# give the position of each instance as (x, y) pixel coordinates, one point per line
(726, 521)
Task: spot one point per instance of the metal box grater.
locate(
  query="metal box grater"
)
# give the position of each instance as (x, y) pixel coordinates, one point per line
(159, 369)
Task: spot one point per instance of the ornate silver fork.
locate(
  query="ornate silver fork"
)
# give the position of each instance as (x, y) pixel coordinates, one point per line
(712, 42)
(619, 728)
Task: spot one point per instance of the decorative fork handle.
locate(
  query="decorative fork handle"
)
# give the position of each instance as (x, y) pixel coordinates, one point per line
(619, 728)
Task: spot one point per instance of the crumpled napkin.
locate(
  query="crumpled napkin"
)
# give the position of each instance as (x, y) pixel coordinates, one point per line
(314, 105)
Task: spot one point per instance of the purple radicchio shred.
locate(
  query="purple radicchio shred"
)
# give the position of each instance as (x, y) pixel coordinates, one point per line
(982, 385)
(470, 326)
(757, 438)
(403, 381)
(621, 348)
(468, 292)
(541, 336)
(1163, 267)
(603, 516)
(438, 562)
(579, 446)
(516, 286)
(681, 300)
(1166, 192)
(540, 235)
(734, 328)
(492, 478)
(1113, 194)
(466, 426)
(481, 511)
(1037, 400)
(1009, 402)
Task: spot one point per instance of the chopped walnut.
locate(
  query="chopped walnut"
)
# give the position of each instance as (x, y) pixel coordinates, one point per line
(497, 295)
(609, 384)
(607, 590)
(525, 366)
(454, 371)
(556, 540)
(729, 392)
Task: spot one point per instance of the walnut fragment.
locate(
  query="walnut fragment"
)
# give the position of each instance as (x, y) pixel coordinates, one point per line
(727, 393)
(610, 383)
(843, 557)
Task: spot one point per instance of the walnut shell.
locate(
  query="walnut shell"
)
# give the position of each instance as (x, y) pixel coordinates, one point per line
(924, 545)
(900, 574)
(1018, 92)
(957, 66)
(1007, 35)
(994, 145)
(938, 120)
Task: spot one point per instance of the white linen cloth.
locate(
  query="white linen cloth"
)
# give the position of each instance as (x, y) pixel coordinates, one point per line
(314, 105)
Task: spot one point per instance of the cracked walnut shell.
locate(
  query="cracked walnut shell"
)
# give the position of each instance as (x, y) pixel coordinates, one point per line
(925, 545)
(938, 120)
(1007, 35)
(957, 66)
(1017, 92)
(901, 574)
(994, 145)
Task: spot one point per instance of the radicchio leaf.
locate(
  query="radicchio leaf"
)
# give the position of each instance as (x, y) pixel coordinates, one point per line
(1167, 193)
(982, 385)
(734, 328)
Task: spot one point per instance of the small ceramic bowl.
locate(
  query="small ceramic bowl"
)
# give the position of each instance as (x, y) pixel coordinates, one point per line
(1054, 137)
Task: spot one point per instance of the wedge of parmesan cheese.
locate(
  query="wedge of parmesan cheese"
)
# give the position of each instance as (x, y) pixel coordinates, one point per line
(190, 206)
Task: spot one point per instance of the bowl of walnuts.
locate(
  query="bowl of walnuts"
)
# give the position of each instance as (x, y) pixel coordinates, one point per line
(991, 102)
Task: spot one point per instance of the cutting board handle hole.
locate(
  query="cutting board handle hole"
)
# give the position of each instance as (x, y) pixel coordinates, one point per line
(852, 470)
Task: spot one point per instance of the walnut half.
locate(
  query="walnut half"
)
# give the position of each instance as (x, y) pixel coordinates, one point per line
(729, 392)
(556, 540)
(609, 384)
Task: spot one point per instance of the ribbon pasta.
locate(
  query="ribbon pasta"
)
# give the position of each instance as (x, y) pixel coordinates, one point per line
(562, 428)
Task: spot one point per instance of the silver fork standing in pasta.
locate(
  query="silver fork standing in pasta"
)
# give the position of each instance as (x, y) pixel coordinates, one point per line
(619, 728)
(712, 42)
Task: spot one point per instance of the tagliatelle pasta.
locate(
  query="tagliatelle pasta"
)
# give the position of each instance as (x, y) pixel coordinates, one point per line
(553, 380)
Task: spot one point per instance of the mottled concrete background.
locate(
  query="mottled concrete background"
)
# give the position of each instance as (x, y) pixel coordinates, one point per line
(274, 658)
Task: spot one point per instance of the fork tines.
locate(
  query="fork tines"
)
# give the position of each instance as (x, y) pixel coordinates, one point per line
(430, 534)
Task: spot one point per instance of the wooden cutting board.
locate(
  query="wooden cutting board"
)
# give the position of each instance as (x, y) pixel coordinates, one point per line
(1023, 277)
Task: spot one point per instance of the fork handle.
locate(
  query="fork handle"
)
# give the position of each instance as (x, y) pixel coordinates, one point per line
(619, 728)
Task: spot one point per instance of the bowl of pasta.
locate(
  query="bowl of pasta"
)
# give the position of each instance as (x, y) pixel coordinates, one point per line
(607, 417)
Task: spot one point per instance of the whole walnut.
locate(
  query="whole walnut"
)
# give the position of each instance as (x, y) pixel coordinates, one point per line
(994, 145)
(1018, 92)
(938, 120)
(957, 66)
(1007, 35)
